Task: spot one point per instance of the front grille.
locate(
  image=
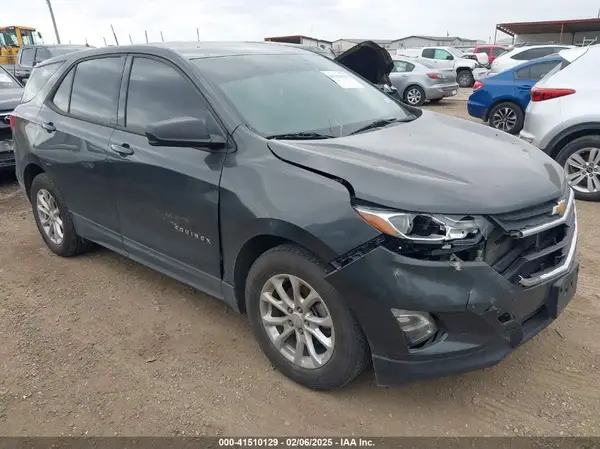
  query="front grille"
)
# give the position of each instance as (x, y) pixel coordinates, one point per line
(531, 241)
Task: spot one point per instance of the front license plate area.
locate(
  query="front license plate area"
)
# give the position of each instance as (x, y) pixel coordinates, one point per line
(562, 292)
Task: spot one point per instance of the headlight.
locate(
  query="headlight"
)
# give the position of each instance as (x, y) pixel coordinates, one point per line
(421, 228)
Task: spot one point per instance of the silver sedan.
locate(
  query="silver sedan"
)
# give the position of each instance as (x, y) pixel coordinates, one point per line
(417, 81)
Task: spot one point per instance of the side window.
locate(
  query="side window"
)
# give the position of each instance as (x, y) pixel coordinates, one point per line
(442, 54)
(27, 56)
(41, 54)
(401, 66)
(428, 53)
(62, 97)
(533, 53)
(522, 56)
(95, 92)
(39, 77)
(522, 74)
(538, 71)
(157, 91)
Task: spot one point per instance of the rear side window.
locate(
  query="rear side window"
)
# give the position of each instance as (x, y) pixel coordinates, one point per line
(39, 77)
(27, 56)
(157, 91)
(95, 92)
(538, 71)
(403, 66)
(62, 97)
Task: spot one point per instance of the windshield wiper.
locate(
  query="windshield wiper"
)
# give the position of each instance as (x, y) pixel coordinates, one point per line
(380, 124)
(300, 136)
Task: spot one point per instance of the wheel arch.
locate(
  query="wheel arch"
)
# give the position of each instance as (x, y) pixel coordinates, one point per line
(569, 134)
(32, 169)
(269, 234)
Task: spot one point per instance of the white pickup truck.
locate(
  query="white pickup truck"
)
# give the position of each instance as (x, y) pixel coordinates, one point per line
(467, 70)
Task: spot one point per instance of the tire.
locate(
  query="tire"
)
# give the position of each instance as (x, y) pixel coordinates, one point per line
(507, 117)
(465, 78)
(70, 244)
(583, 147)
(414, 95)
(350, 352)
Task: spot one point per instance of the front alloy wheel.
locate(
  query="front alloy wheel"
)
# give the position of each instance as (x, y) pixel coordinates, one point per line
(297, 321)
(49, 216)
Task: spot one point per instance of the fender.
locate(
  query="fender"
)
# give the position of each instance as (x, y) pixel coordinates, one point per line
(561, 139)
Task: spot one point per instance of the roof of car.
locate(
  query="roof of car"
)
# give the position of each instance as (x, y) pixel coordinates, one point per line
(50, 46)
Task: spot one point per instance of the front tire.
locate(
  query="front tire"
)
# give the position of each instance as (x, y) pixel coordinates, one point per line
(507, 117)
(580, 160)
(301, 322)
(465, 78)
(53, 219)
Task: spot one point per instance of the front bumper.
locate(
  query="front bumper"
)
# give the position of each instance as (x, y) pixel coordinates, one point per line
(482, 316)
(441, 91)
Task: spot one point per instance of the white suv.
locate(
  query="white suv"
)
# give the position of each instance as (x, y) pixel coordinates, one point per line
(563, 119)
(467, 70)
(519, 55)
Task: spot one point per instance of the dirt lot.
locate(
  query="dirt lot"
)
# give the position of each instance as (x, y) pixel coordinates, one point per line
(99, 345)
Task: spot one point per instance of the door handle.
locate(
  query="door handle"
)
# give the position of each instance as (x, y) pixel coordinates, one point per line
(123, 149)
(49, 127)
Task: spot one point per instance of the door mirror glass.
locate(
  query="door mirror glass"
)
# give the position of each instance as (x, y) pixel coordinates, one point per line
(183, 132)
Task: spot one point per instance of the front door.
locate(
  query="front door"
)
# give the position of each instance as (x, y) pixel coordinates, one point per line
(75, 125)
(168, 197)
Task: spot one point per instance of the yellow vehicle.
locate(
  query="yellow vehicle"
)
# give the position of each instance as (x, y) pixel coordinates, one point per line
(12, 37)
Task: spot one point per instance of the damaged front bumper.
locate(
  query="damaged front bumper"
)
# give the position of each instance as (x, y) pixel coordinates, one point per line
(481, 315)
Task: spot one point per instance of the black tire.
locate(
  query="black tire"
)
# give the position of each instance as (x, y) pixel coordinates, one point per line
(514, 109)
(465, 78)
(435, 100)
(71, 244)
(571, 148)
(414, 95)
(350, 353)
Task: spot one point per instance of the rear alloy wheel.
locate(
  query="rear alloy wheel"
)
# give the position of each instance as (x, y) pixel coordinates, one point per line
(414, 96)
(507, 117)
(301, 322)
(465, 78)
(580, 160)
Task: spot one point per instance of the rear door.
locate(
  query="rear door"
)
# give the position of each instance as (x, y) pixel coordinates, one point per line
(168, 197)
(74, 127)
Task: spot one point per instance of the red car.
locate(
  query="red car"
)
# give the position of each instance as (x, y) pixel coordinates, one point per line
(493, 51)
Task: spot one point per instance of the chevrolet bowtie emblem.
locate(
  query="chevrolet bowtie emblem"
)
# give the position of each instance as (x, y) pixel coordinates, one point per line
(560, 208)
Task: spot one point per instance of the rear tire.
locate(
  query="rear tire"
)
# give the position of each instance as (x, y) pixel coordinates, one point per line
(53, 219)
(280, 322)
(507, 117)
(465, 78)
(586, 149)
(414, 95)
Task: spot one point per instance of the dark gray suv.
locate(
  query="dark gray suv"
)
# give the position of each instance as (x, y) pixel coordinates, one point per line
(348, 226)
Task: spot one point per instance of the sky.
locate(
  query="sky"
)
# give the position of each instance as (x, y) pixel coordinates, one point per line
(78, 20)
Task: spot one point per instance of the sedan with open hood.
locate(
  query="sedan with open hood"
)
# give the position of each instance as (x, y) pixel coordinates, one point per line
(350, 227)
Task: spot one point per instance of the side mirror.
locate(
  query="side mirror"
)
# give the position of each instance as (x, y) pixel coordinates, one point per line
(24, 81)
(449, 58)
(183, 132)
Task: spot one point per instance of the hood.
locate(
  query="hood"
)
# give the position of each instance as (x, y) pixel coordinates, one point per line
(435, 164)
(369, 60)
(10, 98)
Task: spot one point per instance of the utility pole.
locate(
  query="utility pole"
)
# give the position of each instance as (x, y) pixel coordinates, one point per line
(146, 33)
(130, 41)
(161, 37)
(198, 34)
(114, 34)
(53, 21)
(105, 44)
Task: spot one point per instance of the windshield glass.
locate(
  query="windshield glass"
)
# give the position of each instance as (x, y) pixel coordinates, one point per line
(298, 93)
(9, 37)
(27, 36)
(6, 82)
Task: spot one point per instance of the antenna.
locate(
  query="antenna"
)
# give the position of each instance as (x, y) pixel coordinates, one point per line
(146, 33)
(130, 41)
(114, 34)
(161, 37)
(198, 34)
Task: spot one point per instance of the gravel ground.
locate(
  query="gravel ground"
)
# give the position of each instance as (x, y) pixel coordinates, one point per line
(100, 345)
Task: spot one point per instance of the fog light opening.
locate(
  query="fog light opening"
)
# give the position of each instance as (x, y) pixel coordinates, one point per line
(418, 327)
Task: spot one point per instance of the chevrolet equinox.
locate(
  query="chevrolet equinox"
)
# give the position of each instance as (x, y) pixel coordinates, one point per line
(349, 227)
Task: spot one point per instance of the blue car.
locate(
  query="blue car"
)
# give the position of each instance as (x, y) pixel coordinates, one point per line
(501, 99)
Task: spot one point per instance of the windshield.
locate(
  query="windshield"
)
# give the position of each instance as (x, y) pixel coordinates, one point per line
(27, 36)
(6, 82)
(456, 52)
(298, 93)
